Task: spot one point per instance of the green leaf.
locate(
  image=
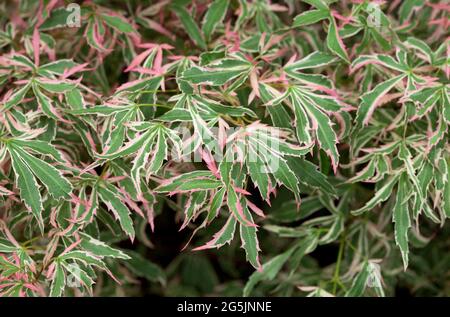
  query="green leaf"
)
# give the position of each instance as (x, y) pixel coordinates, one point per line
(120, 211)
(58, 18)
(250, 242)
(214, 16)
(334, 231)
(178, 114)
(6, 246)
(58, 186)
(280, 117)
(216, 204)
(56, 87)
(379, 59)
(381, 195)
(45, 103)
(319, 4)
(334, 41)
(217, 73)
(144, 268)
(79, 275)
(310, 175)
(57, 67)
(268, 271)
(222, 237)
(325, 134)
(234, 203)
(284, 175)
(302, 123)
(446, 193)
(210, 105)
(366, 173)
(23, 60)
(41, 147)
(84, 257)
(190, 26)
(289, 211)
(129, 148)
(369, 276)
(446, 105)
(405, 155)
(189, 183)
(407, 8)
(371, 99)
(359, 283)
(59, 281)
(75, 99)
(16, 97)
(160, 153)
(259, 174)
(314, 60)
(29, 188)
(139, 162)
(99, 248)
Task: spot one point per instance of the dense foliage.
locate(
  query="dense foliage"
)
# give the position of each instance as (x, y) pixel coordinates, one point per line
(224, 147)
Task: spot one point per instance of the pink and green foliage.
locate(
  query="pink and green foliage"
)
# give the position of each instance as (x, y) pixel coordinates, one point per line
(305, 142)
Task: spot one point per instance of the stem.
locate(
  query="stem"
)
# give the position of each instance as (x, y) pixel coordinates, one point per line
(336, 279)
